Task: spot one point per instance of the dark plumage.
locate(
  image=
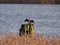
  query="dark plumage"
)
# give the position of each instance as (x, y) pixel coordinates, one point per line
(26, 20)
(32, 21)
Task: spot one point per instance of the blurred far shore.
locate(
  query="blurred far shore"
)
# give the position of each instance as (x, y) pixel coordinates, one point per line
(30, 1)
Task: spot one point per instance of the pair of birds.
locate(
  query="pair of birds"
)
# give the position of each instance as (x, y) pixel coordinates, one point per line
(28, 20)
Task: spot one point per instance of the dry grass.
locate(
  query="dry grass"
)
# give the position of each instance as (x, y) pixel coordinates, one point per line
(12, 39)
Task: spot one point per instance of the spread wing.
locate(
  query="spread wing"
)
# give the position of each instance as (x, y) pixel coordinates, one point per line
(32, 21)
(26, 20)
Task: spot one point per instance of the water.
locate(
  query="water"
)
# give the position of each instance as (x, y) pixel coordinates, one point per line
(46, 17)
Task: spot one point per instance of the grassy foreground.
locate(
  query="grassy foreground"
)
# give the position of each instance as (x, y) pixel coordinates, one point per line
(12, 39)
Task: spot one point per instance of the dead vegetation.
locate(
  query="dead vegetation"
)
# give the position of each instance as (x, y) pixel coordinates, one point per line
(12, 39)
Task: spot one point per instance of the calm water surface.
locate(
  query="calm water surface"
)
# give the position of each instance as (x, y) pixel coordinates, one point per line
(46, 17)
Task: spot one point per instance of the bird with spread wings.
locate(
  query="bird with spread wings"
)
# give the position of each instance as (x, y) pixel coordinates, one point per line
(28, 20)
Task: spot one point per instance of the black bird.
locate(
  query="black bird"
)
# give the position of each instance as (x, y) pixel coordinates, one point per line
(27, 20)
(32, 21)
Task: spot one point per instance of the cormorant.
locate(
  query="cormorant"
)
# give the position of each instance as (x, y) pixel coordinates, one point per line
(32, 21)
(28, 20)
